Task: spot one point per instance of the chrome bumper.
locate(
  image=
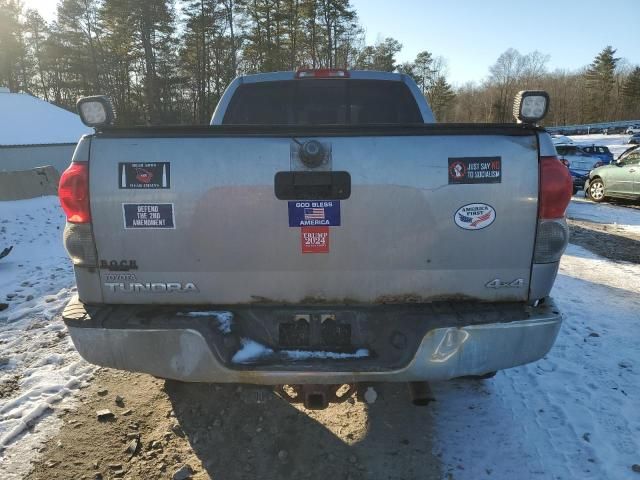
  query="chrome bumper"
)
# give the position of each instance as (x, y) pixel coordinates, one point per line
(448, 352)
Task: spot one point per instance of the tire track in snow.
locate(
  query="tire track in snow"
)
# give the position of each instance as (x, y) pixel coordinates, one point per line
(571, 415)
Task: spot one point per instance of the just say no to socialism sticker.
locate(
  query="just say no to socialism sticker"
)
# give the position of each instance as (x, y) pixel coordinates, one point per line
(466, 170)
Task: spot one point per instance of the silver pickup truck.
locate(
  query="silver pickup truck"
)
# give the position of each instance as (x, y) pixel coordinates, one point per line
(323, 231)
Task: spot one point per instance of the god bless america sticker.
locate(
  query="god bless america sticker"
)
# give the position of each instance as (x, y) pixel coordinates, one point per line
(148, 215)
(311, 213)
(155, 175)
(314, 239)
(465, 170)
(475, 216)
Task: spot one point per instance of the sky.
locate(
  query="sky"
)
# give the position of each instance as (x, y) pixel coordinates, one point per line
(471, 34)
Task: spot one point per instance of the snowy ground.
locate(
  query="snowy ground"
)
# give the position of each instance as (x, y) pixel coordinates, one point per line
(39, 368)
(624, 218)
(574, 414)
(571, 415)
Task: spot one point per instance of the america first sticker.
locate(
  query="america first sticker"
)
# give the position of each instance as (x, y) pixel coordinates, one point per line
(475, 216)
(465, 170)
(148, 215)
(314, 213)
(156, 175)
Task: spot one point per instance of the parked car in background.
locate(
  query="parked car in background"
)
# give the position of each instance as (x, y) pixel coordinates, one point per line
(561, 139)
(635, 139)
(600, 151)
(617, 180)
(633, 129)
(579, 162)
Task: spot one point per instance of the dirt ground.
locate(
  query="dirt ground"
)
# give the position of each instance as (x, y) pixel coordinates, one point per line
(607, 240)
(235, 432)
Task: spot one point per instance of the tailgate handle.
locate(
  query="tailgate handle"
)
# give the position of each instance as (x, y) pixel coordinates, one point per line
(312, 185)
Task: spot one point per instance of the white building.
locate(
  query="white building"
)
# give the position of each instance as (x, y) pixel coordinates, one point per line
(35, 133)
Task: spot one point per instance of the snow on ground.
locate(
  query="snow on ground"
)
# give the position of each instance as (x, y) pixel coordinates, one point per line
(582, 208)
(573, 414)
(616, 143)
(39, 367)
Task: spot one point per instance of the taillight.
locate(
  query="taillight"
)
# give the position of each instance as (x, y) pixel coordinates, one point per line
(565, 162)
(322, 73)
(556, 188)
(73, 192)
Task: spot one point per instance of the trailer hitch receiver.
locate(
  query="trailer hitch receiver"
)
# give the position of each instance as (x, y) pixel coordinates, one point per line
(315, 396)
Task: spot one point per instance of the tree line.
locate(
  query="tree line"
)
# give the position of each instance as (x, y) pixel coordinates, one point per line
(168, 61)
(606, 90)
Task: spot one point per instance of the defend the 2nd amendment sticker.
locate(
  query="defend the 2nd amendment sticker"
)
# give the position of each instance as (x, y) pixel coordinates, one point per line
(475, 216)
(314, 239)
(466, 170)
(148, 215)
(144, 175)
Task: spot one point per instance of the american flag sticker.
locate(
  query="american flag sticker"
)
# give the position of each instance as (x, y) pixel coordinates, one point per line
(314, 213)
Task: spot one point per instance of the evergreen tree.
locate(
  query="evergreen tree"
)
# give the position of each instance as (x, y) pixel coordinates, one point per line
(380, 57)
(440, 95)
(423, 71)
(77, 37)
(36, 33)
(631, 92)
(600, 77)
(12, 48)
(122, 56)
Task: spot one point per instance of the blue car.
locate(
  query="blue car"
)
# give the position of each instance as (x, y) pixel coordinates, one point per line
(603, 153)
(579, 162)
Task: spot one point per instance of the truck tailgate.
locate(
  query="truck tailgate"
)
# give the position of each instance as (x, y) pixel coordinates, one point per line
(195, 220)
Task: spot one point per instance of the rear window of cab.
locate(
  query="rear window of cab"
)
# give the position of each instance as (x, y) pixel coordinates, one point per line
(323, 102)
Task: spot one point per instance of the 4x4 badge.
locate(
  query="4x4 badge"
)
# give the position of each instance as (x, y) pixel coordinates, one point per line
(497, 283)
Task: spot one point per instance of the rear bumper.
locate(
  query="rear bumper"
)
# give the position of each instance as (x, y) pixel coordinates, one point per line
(469, 346)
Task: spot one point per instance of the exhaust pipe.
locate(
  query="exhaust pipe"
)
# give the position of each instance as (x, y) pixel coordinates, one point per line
(421, 394)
